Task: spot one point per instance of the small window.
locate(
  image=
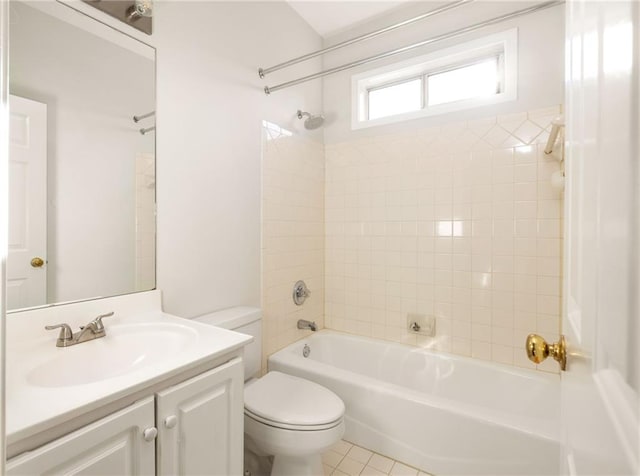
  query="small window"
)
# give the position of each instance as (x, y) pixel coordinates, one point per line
(395, 99)
(479, 79)
(469, 75)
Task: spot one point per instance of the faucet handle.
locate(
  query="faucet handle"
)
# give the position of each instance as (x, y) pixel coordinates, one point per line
(98, 321)
(300, 293)
(66, 334)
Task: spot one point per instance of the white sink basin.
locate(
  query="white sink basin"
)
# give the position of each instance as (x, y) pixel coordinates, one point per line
(49, 386)
(126, 348)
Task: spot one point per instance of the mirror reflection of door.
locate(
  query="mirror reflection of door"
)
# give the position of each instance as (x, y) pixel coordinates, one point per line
(26, 261)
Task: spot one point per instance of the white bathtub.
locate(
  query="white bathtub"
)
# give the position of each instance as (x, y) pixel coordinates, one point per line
(444, 414)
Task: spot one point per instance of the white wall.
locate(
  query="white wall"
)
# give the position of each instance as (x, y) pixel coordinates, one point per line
(210, 108)
(91, 148)
(540, 54)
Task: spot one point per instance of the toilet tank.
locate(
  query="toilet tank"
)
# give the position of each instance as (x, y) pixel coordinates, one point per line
(247, 320)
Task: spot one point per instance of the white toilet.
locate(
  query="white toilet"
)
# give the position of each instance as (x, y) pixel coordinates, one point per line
(288, 417)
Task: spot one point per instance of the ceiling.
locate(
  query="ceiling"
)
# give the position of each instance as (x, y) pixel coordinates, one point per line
(329, 16)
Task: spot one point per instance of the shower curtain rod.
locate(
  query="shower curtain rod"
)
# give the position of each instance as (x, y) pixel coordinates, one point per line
(445, 36)
(262, 72)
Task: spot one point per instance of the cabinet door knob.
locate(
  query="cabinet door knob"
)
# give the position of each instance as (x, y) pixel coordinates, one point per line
(150, 434)
(170, 421)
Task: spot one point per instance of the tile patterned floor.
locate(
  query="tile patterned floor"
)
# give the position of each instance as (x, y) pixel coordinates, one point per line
(347, 459)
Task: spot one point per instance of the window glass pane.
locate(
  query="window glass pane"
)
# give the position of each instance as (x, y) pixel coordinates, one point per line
(395, 99)
(476, 80)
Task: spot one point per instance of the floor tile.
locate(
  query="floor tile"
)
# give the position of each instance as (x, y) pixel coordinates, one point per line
(342, 447)
(400, 469)
(350, 466)
(381, 463)
(346, 459)
(337, 472)
(331, 458)
(371, 471)
(359, 454)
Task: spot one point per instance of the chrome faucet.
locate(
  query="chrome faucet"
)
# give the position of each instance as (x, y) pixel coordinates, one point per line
(300, 293)
(93, 330)
(302, 324)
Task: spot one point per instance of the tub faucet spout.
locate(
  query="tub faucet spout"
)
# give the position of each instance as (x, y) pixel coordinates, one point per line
(302, 324)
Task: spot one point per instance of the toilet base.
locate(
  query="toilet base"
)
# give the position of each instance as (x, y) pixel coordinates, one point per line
(295, 452)
(256, 462)
(286, 465)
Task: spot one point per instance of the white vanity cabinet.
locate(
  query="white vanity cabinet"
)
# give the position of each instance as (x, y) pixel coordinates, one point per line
(200, 424)
(192, 428)
(112, 445)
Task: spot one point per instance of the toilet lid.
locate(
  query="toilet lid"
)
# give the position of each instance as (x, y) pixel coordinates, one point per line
(282, 398)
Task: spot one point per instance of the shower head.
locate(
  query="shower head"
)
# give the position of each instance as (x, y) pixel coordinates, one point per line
(311, 122)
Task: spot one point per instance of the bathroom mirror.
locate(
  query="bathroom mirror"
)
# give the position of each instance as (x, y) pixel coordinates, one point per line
(82, 175)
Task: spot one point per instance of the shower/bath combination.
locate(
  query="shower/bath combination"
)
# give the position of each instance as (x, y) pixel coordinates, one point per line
(311, 122)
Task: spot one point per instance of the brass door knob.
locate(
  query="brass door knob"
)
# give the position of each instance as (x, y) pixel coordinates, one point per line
(37, 262)
(538, 350)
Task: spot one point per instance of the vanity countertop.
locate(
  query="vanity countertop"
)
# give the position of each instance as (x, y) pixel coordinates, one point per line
(48, 385)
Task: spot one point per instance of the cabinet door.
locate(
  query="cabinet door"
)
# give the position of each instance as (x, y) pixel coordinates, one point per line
(200, 424)
(114, 445)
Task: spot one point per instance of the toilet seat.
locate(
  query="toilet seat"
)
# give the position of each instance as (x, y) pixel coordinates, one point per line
(287, 426)
(284, 401)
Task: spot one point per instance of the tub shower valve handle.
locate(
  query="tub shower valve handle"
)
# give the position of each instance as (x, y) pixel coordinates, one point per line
(415, 327)
(300, 293)
(538, 350)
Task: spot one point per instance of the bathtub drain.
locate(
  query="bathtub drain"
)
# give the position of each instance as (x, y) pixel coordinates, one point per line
(306, 350)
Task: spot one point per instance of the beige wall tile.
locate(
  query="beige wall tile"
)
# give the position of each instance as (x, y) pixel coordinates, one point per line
(293, 237)
(468, 231)
(429, 223)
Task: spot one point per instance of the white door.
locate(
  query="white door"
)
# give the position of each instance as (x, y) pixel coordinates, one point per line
(600, 387)
(200, 424)
(26, 275)
(121, 444)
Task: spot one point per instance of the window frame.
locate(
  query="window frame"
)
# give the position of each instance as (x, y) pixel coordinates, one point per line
(503, 45)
